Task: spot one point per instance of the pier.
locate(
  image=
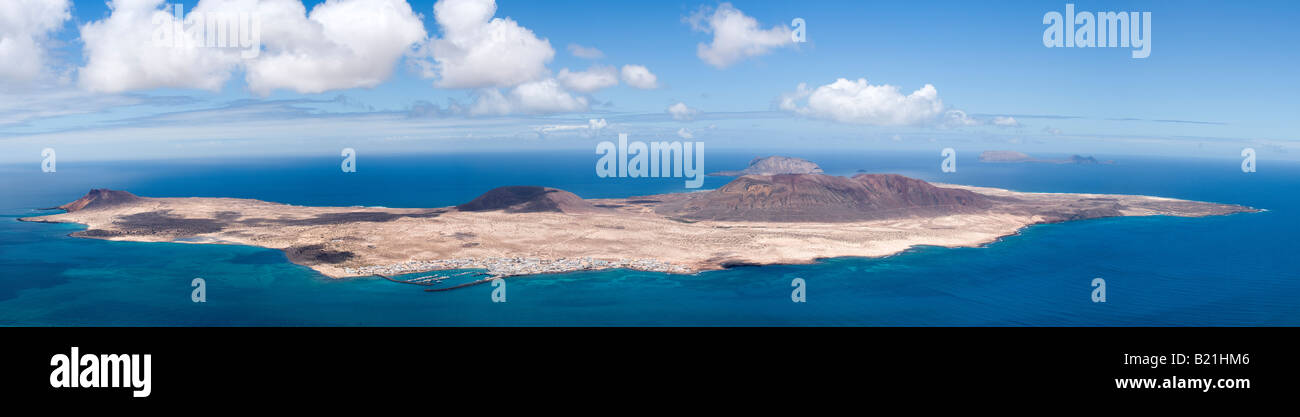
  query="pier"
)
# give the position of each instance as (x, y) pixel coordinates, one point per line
(433, 280)
(467, 284)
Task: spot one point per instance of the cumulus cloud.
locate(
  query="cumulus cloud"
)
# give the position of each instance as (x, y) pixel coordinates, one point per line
(681, 112)
(639, 77)
(594, 78)
(477, 50)
(507, 64)
(538, 97)
(859, 102)
(333, 47)
(735, 35)
(685, 134)
(585, 52)
(491, 54)
(121, 54)
(25, 29)
(336, 46)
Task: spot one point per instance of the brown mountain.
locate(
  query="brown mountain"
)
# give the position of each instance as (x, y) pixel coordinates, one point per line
(773, 165)
(822, 198)
(100, 198)
(529, 199)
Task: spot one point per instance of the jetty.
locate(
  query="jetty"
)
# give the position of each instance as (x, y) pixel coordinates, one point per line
(434, 280)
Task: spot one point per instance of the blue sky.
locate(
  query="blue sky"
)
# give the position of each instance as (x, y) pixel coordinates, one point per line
(1221, 76)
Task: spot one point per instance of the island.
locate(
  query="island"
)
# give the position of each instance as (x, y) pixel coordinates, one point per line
(525, 230)
(1015, 157)
(773, 165)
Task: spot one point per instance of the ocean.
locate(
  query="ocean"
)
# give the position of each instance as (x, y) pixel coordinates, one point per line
(1159, 271)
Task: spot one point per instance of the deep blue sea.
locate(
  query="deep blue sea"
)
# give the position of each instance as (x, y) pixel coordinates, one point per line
(1232, 270)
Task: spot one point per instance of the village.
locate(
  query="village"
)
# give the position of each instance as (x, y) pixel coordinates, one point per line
(516, 266)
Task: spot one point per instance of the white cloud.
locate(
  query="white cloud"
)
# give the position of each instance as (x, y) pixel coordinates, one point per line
(1006, 121)
(685, 134)
(585, 52)
(25, 29)
(539, 97)
(494, 54)
(735, 35)
(681, 112)
(121, 55)
(478, 51)
(333, 47)
(45, 103)
(958, 118)
(594, 78)
(592, 127)
(639, 77)
(858, 102)
(234, 132)
(336, 46)
(491, 54)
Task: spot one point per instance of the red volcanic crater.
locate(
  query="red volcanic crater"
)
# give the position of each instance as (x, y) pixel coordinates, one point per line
(100, 198)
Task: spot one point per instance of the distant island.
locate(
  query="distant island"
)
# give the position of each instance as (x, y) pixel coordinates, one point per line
(773, 165)
(524, 230)
(1013, 156)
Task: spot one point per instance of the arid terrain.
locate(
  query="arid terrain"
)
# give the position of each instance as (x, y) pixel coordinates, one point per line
(521, 230)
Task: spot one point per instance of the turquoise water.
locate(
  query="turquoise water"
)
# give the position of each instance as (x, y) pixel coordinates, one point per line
(1230, 270)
